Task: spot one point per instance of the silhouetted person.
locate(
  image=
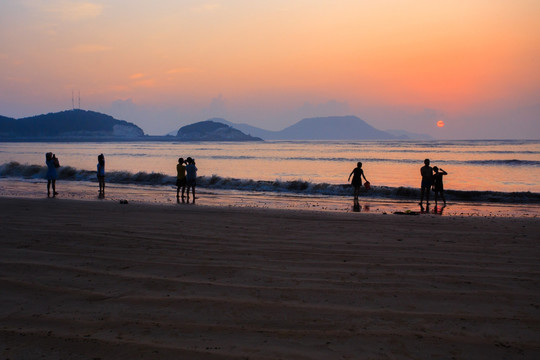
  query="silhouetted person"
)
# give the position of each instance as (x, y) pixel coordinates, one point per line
(180, 178)
(52, 164)
(101, 174)
(427, 180)
(356, 182)
(438, 183)
(191, 177)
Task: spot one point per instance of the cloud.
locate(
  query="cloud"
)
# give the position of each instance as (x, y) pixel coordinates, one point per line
(206, 7)
(146, 83)
(181, 70)
(143, 80)
(67, 10)
(90, 48)
(82, 11)
(217, 107)
(137, 76)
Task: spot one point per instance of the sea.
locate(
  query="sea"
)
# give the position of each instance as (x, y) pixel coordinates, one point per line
(485, 177)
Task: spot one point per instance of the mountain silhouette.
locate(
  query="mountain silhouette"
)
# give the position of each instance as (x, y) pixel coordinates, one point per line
(320, 128)
(333, 128)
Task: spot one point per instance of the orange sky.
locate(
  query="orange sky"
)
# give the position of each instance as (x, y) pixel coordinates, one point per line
(271, 63)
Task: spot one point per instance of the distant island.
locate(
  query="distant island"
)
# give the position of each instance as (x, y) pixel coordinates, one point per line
(83, 125)
(210, 130)
(71, 124)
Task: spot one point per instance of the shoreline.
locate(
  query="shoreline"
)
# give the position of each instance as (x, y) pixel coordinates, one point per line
(89, 279)
(166, 195)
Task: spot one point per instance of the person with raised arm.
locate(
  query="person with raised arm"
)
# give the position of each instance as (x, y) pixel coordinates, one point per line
(52, 174)
(438, 187)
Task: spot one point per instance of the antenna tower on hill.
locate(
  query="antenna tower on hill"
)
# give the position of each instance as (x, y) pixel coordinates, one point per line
(73, 100)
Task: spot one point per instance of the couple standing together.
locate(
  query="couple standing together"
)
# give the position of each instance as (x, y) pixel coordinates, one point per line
(431, 177)
(186, 177)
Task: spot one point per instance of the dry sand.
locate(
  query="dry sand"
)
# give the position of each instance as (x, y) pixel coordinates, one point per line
(101, 280)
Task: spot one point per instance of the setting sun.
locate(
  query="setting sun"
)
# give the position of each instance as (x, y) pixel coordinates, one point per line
(440, 123)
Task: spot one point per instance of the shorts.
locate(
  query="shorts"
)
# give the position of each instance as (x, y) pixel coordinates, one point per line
(426, 184)
(191, 182)
(181, 182)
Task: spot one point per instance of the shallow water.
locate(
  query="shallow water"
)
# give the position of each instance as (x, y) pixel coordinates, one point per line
(504, 166)
(484, 177)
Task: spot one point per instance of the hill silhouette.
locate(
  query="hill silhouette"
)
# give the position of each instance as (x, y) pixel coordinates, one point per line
(68, 124)
(212, 130)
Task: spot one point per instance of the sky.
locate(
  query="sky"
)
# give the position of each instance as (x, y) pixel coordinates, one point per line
(162, 64)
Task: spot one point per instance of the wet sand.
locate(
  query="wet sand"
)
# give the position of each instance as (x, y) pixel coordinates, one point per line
(152, 194)
(101, 280)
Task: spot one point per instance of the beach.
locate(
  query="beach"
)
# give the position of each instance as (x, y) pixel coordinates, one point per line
(104, 280)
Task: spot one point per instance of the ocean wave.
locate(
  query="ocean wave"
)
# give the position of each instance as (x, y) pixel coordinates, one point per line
(367, 159)
(510, 162)
(16, 170)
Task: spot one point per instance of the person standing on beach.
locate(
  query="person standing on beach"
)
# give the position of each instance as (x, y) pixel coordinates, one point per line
(52, 164)
(427, 180)
(101, 174)
(438, 183)
(180, 178)
(356, 182)
(191, 176)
